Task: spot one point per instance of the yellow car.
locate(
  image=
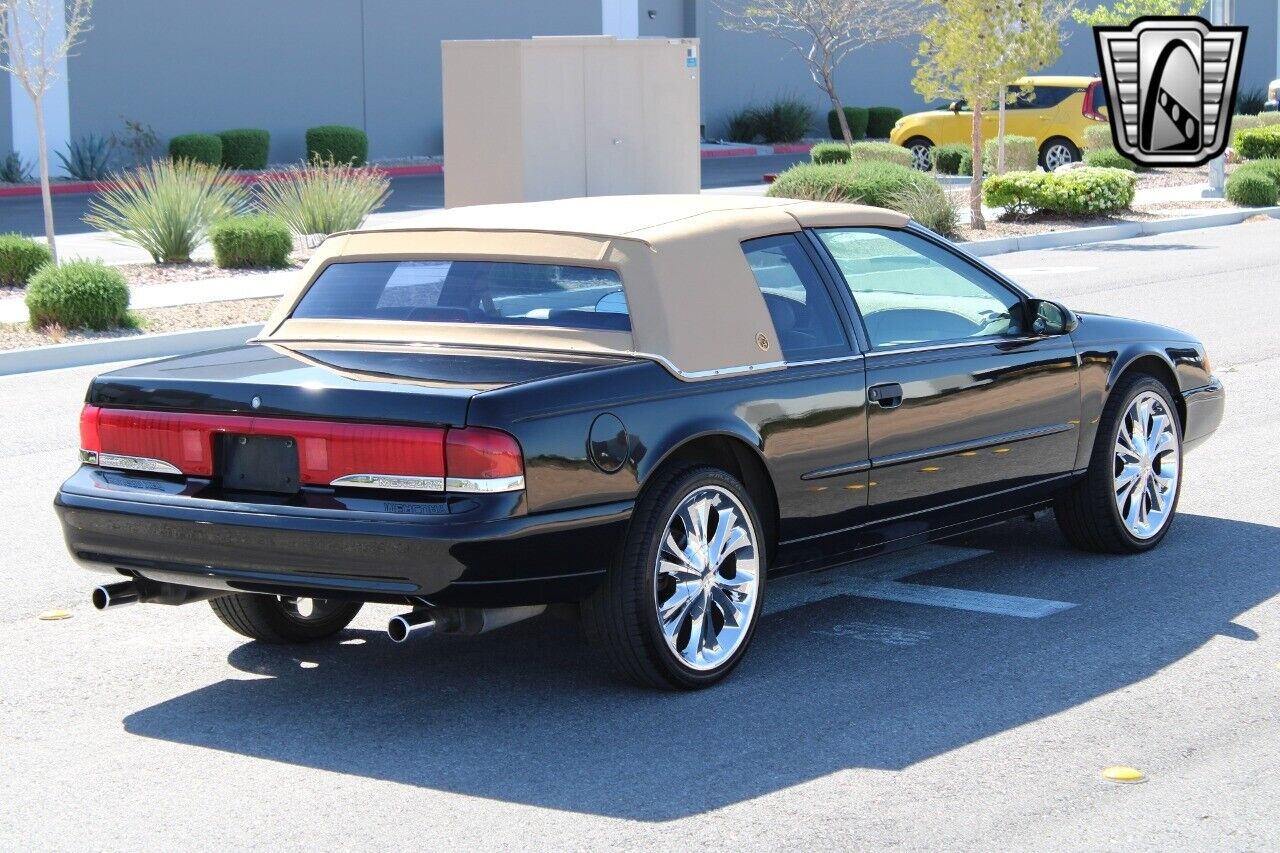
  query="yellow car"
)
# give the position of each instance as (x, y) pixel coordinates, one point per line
(1054, 110)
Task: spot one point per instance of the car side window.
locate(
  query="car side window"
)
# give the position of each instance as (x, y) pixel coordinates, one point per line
(910, 291)
(803, 312)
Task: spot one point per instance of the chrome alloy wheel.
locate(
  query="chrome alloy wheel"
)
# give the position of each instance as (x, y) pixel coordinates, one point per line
(1057, 155)
(920, 158)
(1146, 462)
(707, 578)
(304, 610)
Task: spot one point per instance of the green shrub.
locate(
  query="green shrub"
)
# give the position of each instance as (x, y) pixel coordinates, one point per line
(78, 295)
(1259, 143)
(872, 182)
(323, 198)
(947, 158)
(1251, 190)
(198, 147)
(785, 120)
(880, 121)
(89, 157)
(1109, 158)
(20, 257)
(932, 209)
(1019, 193)
(830, 152)
(1251, 99)
(167, 207)
(14, 169)
(245, 148)
(1020, 154)
(338, 144)
(743, 126)
(1087, 191)
(864, 151)
(251, 241)
(1255, 184)
(856, 117)
(1098, 137)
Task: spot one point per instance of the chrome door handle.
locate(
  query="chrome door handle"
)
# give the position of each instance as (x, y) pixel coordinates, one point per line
(887, 395)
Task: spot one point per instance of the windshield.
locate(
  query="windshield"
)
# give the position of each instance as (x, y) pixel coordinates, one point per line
(441, 291)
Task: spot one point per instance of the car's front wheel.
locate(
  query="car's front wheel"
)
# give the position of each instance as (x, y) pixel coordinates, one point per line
(681, 604)
(1058, 152)
(275, 619)
(920, 148)
(1127, 500)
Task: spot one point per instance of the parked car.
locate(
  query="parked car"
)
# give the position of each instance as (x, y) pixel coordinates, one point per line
(1273, 97)
(643, 409)
(1053, 110)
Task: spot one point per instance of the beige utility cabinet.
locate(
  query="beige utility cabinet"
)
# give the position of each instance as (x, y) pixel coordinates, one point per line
(564, 116)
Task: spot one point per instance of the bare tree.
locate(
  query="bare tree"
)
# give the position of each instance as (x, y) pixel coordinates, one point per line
(35, 37)
(825, 32)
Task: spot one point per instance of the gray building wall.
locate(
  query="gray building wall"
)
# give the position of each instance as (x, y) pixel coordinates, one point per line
(6, 118)
(285, 65)
(184, 66)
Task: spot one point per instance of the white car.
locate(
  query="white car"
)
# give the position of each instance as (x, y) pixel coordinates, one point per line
(1273, 97)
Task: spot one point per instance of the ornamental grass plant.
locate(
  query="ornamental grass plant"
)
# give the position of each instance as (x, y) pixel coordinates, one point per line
(323, 197)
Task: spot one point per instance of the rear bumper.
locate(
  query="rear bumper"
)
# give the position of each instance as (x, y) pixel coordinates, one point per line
(471, 559)
(1204, 406)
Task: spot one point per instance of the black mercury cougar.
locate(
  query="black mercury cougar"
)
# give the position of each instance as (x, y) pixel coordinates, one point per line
(642, 408)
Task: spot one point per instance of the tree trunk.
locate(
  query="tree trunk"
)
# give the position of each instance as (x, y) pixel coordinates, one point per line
(43, 145)
(1004, 94)
(830, 86)
(975, 183)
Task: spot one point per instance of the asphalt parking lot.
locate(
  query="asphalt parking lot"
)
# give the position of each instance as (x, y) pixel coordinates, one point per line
(964, 696)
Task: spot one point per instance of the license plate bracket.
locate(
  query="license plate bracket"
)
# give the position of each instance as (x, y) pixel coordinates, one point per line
(260, 463)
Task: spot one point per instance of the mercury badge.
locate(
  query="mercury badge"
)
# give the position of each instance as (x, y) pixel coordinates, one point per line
(1171, 87)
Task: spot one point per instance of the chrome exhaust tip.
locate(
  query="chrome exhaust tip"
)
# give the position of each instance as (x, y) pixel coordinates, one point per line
(116, 595)
(420, 622)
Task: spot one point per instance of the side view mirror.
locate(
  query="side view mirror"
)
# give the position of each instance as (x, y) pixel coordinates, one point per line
(1050, 318)
(954, 106)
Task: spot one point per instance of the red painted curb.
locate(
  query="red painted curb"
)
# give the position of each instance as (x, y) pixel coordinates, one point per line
(68, 187)
(709, 153)
(792, 148)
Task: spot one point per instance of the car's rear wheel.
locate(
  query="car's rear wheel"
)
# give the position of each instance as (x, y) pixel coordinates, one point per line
(680, 606)
(275, 619)
(1058, 151)
(1128, 498)
(919, 146)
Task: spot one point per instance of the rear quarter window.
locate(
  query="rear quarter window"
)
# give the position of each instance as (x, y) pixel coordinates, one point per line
(488, 292)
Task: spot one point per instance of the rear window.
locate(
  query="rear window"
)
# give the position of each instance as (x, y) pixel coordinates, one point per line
(468, 292)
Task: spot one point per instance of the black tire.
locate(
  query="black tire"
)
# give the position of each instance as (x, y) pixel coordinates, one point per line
(621, 617)
(1087, 513)
(269, 620)
(915, 143)
(1053, 141)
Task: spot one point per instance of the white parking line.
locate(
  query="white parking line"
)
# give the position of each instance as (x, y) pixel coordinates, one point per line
(877, 579)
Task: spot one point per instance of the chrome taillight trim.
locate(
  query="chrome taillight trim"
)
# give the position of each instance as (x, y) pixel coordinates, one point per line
(128, 463)
(486, 486)
(391, 481)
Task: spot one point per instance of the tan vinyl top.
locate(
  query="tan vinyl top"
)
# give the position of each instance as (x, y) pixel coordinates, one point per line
(694, 304)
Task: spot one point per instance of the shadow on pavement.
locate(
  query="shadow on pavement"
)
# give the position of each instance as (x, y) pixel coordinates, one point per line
(525, 715)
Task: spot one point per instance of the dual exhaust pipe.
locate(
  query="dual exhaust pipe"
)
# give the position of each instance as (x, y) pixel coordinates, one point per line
(142, 591)
(420, 622)
(470, 621)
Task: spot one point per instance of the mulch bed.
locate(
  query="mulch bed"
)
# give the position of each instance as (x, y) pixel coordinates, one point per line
(176, 318)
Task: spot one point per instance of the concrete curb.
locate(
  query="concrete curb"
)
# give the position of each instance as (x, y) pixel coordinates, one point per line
(1108, 233)
(84, 353)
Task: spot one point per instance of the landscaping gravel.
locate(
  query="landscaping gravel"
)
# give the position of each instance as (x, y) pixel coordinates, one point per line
(178, 318)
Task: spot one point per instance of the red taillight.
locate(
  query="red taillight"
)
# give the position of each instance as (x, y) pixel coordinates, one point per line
(1092, 102)
(369, 455)
(482, 454)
